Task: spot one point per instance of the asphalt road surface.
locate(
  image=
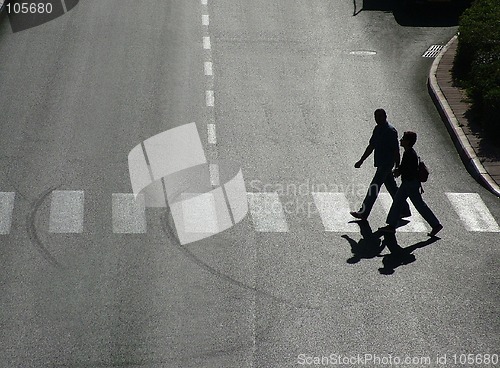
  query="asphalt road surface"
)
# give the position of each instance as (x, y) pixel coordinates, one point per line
(293, 86)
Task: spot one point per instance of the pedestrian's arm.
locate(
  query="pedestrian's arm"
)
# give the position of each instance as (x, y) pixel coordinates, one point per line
(396, 172)
(368, 152)
(397, 158)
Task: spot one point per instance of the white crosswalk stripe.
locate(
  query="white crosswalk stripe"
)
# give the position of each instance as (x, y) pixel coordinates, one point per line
(66, 211)
(473, 212)
(129, 216)
(416, 224)
(6, 209)
(267, 212)
(334, 210)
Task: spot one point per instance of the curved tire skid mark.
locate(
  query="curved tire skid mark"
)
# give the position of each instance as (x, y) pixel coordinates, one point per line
(264, 332)
(33, 232)
(167, 228)
(6, 176)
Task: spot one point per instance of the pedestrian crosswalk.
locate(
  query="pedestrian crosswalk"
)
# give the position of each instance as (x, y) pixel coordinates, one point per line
(333, 209)
(66, 211)
(268, 212)
(129, 215)
(473, 212)
(416, 224)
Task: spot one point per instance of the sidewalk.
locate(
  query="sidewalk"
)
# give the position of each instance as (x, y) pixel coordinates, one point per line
(480, 156)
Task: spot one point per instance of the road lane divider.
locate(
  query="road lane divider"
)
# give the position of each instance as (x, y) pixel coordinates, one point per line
(6, 210)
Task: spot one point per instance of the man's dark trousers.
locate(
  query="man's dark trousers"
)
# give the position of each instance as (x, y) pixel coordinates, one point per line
(383, 175)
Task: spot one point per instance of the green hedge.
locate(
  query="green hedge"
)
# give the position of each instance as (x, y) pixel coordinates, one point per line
(477, 62)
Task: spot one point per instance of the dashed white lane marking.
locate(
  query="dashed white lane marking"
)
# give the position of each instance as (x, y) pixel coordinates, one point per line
(129, 216)
(6, 209)
(416, 223)
(206, 43)
(363, 52)
(334, 211)
(267, 212)
(212, 135)
(214, 174)
(208, 68)
(66, 211)
(205, 19)
(204, 2)
(473, 212)
(209, 98)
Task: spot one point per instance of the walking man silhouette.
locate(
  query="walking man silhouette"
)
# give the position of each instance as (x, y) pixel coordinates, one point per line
(384, 142)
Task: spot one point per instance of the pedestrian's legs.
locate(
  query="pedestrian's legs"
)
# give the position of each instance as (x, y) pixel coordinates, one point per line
(392, 188)
(398, 204)
(372, 194)
(420, 205)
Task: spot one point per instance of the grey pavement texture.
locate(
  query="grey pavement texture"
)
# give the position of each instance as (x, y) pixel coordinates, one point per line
(295, 86)
(479, 154)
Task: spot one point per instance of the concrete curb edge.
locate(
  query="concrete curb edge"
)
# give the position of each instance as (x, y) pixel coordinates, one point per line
(465, 150)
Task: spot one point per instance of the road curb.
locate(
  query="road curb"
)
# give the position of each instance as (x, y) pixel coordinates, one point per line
(465, 150)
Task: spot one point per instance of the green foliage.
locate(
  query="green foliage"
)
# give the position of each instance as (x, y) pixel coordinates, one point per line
(477, 62)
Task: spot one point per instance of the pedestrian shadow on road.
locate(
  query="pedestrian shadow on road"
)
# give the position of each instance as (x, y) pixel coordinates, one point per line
(369, 246)
(399, 256)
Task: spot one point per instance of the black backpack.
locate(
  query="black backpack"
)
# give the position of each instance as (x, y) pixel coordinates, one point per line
(423, 173)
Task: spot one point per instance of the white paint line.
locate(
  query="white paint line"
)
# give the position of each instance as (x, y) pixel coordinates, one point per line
(416, 224)
(205, 20)
(6, 209)
(204, 2)
(129, 215)
(334, 211)
(209, 98)
(200, 214)
(66, 211)
(208, 68)
(363, 52)
(267, 212)
(473, 212)
(214, 174)
(212, 135)
(206, 43)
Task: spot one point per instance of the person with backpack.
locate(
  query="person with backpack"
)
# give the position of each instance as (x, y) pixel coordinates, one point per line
(410, 188)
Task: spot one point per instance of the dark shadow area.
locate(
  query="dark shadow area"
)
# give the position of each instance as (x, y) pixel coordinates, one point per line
(488, 146)
(369, 246)
(414, 13)
(400, 256)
